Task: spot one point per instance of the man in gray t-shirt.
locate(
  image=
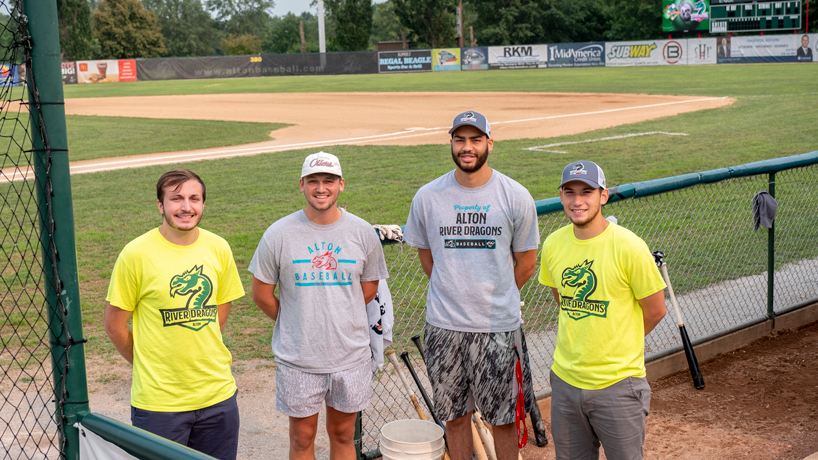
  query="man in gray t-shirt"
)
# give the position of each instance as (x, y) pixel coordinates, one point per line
(477, 237)
(326, 263)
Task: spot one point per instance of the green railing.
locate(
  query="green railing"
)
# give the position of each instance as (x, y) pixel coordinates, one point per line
(719, 265)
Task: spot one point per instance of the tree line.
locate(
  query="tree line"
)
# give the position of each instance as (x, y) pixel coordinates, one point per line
(119, 29)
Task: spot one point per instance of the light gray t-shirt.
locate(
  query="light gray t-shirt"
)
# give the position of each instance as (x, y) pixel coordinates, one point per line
(472, 233)
(322, 325)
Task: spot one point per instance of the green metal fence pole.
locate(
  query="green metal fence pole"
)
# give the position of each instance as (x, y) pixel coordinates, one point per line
(56, 220)
(771, 259)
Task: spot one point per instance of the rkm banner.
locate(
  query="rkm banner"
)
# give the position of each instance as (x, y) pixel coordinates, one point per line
(518, 57)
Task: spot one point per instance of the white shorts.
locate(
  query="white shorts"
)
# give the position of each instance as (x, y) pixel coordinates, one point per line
(301, 394)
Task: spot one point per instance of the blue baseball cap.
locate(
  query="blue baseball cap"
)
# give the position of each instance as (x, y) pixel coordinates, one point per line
(584, 171)
(474, 119)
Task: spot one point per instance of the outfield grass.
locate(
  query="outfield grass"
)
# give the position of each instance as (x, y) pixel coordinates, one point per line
(772, 117)
(92, 137)
(713, 80)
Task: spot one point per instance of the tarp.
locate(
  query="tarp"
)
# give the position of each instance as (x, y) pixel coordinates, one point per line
(518, 57)
(93, 447)
(256, 66)
(577, 55)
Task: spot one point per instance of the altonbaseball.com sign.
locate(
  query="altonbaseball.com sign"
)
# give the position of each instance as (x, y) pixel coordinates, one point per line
(653, 52)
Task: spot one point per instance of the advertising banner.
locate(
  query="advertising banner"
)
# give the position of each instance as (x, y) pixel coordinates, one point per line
(685, 15)
(98, 71)
(446, 59)
(8, 75)
(69, 73)
(474, 58)
(405, 61)
(576, 55)
(651, 52)
(256, 66)
(700, 50)
(764, 48)
(518, 57)
(807, 48)
(127, 70)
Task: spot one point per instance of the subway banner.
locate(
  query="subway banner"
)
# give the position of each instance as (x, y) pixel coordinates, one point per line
(576, 55)
(518, 57)
(446, 59)
(764, 48)
(474, 58)
(405, 61)
(650, 52)
(69, 73)
(700, 51)
(256, 66)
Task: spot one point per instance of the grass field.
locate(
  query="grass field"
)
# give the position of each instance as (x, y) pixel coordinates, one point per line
(92, 137)
(773, 117)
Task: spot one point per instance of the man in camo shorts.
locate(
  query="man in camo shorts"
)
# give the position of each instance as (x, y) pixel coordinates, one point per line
(477, 236)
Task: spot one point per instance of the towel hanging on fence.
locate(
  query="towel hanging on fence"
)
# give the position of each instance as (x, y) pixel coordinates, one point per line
(381, 318)
(764, 207)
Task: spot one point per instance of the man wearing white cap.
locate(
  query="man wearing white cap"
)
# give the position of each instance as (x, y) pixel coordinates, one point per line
(610, 296)
(326, 264)
(476, 233)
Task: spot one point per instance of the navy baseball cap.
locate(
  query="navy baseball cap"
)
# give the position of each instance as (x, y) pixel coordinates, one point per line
(584, 171)
(474, 119)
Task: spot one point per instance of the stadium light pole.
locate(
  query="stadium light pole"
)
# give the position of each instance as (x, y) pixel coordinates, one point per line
(322, 36)
(53, 184)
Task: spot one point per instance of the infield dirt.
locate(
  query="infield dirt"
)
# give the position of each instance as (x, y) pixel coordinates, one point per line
(325, 119)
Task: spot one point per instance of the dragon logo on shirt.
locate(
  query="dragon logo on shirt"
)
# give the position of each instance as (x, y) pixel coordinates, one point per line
(584, 281)
(196, 314)
(325, 261)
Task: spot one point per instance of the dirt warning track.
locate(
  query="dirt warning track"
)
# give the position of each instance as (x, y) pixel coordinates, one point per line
(325, 119)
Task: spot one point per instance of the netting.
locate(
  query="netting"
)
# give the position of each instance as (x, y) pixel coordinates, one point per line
(28, 418)
(716, 261)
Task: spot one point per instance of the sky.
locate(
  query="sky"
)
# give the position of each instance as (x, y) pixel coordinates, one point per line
(282, 7)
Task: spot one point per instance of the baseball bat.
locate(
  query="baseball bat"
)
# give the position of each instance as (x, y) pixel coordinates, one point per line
(692, 362)
(485, 435)
(391, 356)
(536, 419)
(479, 450)
(405, 358)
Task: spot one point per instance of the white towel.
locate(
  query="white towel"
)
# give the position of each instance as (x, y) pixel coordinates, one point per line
(381, 317)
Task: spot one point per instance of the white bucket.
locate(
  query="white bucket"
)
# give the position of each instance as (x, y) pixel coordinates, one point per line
(412, 440)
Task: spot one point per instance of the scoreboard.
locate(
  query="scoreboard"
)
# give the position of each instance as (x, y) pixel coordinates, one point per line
(754, 16)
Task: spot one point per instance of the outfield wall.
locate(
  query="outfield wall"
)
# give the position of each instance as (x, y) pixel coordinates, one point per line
(685, 51)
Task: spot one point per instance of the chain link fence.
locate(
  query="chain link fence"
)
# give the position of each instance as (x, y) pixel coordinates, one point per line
(28, 415)
(717, 262)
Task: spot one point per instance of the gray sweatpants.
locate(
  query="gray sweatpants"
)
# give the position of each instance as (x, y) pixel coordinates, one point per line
(613, 416)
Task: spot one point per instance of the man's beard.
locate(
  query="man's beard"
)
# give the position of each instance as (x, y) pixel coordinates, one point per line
(480, 161)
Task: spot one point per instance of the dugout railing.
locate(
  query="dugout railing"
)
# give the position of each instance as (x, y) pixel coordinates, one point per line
(726, 275)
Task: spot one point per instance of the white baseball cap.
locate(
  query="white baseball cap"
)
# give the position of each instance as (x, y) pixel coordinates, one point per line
(321, 162)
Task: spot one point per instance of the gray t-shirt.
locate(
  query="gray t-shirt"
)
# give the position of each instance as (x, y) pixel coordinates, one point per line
(322, 325)
(472, 233)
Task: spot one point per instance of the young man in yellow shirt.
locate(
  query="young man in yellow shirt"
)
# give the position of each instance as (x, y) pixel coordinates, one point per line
(610, 296)
(178, 282)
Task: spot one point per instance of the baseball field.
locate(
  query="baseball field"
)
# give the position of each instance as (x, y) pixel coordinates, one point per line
(390, 133)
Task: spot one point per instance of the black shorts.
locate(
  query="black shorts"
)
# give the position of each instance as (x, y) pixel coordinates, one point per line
(212, 430)
(476, 369)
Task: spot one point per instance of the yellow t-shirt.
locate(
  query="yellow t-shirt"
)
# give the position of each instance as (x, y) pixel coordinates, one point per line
(180, 361)
(601, 328)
